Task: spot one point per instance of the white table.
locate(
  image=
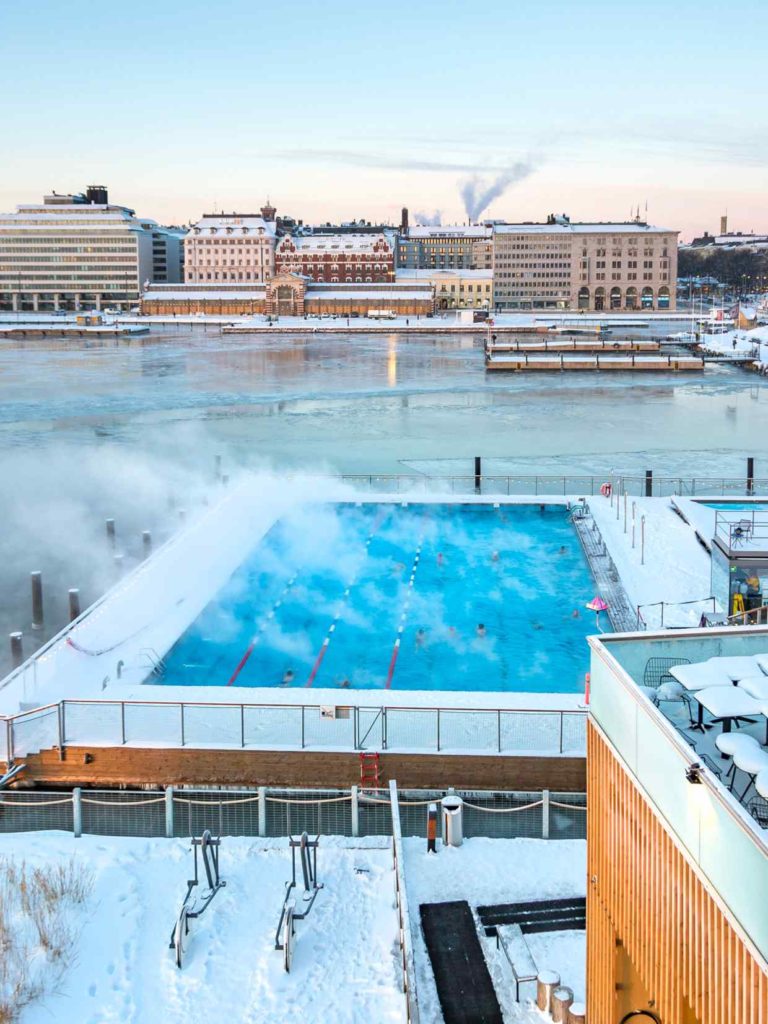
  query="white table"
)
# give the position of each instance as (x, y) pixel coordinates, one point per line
(699, 675)
(725, 703)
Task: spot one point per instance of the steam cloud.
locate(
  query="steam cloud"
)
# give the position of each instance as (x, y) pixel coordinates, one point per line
(433, 219)
(478, 193)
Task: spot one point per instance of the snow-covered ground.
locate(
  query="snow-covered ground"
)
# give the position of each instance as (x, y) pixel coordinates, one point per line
(484, 871)
(676, 567)
(345, 967)
(740, 342)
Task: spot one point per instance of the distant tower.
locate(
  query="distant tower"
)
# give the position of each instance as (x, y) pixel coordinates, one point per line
(268, 211)
(724, 224)
(404, 221)
(97, 195)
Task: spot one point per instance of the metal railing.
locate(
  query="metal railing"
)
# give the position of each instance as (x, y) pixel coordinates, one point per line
(272, 812)
(742, 529)
(292, 727)
(750, 617)
(491, 484)
(642, 621)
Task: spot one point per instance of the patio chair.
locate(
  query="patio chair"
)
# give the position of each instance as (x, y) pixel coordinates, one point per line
(758, 808)
(661, 687)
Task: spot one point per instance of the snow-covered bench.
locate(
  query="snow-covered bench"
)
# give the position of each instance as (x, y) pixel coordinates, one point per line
(511, 941)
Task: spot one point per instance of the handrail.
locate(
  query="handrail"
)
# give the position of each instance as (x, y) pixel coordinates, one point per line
(671, 604)
(749, 617)
(404, 918)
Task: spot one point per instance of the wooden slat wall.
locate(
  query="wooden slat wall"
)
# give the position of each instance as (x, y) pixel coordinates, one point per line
(643, 892)
(132, 766)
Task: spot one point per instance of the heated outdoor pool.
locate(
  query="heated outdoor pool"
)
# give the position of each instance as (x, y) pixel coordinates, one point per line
(737, 506)
(416, 597)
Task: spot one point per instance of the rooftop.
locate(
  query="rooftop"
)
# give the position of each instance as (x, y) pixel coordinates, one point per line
(615, 228)
(354, 242)
(232, 224)
(449, 231)
(448, 275)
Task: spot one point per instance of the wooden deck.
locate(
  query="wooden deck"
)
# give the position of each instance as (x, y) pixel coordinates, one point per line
(522, 362)
(157, 766)
(561, 344)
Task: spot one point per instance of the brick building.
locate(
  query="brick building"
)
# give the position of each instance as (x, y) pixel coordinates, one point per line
(337, 259)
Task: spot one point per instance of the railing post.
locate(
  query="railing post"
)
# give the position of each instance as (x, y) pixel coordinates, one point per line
(302, 726)
(242, 725)
(77, 813)
(438, 730)
(356, 726)
(545, 814)
(262, 810)
(181, 708)
(355, 813)
(122, 721)
(9, 740)
(498, 730)
(561, 732)
(169, 813)
(642, 540)
(60, 725)
(384, 728)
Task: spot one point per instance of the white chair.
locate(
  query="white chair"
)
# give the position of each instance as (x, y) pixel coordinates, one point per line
(730, 743)
(751, 762)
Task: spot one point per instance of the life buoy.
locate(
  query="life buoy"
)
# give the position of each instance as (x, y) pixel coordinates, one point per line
(606, 489)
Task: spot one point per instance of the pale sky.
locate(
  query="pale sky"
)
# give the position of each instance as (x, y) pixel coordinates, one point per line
(340, 109)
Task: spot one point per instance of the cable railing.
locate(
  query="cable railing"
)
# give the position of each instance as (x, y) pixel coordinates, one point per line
(72, 723)
(742, 529)
(509, 485)
(665, 606)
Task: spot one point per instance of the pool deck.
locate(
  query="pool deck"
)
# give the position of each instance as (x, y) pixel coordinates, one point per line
(620, 612)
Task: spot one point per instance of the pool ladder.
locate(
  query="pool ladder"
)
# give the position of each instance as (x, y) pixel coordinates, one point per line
(156, 662)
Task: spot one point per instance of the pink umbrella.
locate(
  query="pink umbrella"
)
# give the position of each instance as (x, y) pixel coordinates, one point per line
(597, 604)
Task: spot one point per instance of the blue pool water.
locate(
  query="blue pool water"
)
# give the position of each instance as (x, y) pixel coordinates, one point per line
(324, 597)
(737, 506)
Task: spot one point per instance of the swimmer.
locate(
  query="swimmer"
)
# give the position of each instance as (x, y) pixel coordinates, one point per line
(398, 568)
(495, 556)
(440, 558)
(421, 636)
(288, 677)
(345, 683)
(481, 630)
(575, 614)
(563, 550)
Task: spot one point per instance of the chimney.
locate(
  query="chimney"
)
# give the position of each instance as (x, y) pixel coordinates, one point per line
(724, 224)
(404, 221)
(97, 195)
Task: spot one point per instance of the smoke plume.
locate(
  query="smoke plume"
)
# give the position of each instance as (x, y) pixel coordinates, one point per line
(433, 219)
(478, 192)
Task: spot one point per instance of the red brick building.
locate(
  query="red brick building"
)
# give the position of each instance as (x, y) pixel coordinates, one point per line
(337, 259)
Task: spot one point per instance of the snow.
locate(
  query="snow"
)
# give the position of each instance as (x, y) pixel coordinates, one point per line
(448, 231)
(367, 243)
(676, 566)
(484, 871)
(631, 228)
(345, 965)
(754, 342)
(236, 225)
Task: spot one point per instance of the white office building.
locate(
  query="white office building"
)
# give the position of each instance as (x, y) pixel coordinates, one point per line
(81, 252)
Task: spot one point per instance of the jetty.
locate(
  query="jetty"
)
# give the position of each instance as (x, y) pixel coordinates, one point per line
(522, 362)
(74, 331)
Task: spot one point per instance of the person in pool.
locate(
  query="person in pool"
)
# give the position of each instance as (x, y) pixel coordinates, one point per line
(421, 636)
(495, 556)
(345, 683)
(563, 550)
(288, 677)
(481, 630)
(440, 558)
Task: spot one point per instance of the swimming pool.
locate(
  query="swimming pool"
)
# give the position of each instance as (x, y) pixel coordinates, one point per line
(736, 506)
(384, 595)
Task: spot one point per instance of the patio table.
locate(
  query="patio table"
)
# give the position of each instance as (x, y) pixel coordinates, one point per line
(725, 703)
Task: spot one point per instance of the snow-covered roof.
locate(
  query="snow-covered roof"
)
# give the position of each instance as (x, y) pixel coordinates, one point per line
(449, 231)
(194, 294)
(327, 243)
(374, 296)
(432, 275)
(234, 224)
(630, 228)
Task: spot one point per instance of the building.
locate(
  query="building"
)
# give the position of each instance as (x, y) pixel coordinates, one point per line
(81, 251)
(227, 248)
(288, 294)
(455, 289)
(677, 844)
(564, 265)
(337, 258)
(445, 247)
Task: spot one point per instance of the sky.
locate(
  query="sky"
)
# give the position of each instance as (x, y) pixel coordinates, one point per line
(339, 109)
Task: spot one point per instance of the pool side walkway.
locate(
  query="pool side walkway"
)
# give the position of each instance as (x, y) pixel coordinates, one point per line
(620, 612)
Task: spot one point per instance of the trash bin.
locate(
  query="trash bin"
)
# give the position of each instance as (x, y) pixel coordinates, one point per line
(452, 808)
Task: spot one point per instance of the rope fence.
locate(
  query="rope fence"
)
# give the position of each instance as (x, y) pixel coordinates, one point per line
(272, 812)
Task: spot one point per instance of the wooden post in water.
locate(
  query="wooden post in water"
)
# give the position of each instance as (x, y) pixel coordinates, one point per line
(36, 579)
(74, 604)
(649, 483)
(17, 649)
(478, 474)
(111, 533)
(146, 543)
(750, 475)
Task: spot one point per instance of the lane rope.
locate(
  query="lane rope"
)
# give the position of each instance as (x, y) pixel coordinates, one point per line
(404, 611)
(262, 626)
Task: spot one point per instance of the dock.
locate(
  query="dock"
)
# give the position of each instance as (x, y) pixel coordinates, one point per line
(561, 344)
(522, 362)
(68, 330)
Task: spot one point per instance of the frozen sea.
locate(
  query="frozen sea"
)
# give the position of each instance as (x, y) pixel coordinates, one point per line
(371, 404)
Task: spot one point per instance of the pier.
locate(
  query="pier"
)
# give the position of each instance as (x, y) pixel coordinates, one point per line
(68, 330)
(562, 344)
(538, 362)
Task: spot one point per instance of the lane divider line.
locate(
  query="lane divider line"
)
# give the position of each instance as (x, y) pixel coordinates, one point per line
(262, 626)
(404, 613)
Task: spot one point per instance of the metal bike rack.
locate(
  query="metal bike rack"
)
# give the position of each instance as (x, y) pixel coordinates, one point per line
(285, 936)
(191, 908)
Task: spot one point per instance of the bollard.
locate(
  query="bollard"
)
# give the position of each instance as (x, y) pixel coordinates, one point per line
(750, 475)
(545, 814)
(17, 648)
(649, 483)
(625, 511)
(111, 533)
(561, 1001)
(432, 828)
(577, 1013)
(355, 807)
(478, 474)
(36, 579)
(169, 813)
(262, 810)
(642, 540)
(119, 566)
(77, 813)
(74, 604)
(146, 543)
(546, 983)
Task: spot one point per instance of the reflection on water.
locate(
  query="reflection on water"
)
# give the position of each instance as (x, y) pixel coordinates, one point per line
(369, 402)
